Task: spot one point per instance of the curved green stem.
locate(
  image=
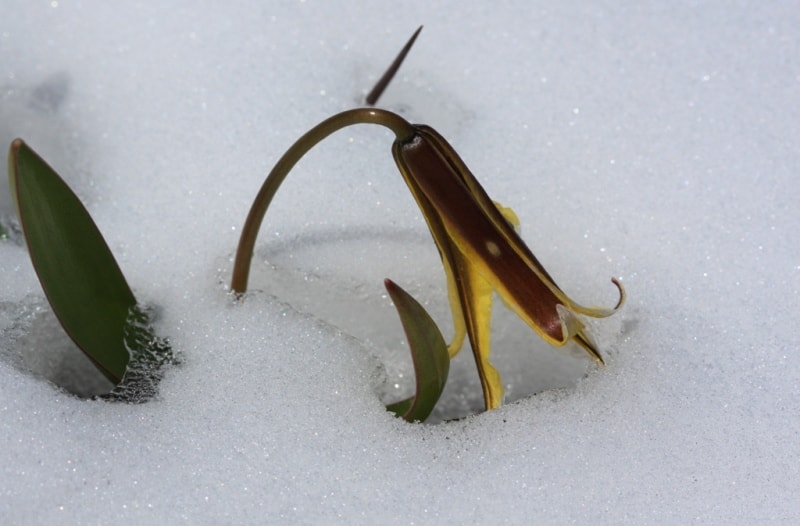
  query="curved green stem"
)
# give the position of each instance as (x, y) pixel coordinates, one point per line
(402, 129)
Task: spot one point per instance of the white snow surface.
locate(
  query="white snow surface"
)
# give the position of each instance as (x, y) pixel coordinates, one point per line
(654, 141)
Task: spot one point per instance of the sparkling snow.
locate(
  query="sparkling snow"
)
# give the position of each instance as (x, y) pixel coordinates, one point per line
(656, 142)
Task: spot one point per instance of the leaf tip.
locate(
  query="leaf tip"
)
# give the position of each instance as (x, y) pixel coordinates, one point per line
(15, 147)
(373, 96)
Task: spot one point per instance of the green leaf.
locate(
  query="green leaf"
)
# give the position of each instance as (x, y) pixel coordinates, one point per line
(81, 279)
(428, 352)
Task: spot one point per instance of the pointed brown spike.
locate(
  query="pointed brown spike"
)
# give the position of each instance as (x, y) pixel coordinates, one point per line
(589, 348)
(387, 77)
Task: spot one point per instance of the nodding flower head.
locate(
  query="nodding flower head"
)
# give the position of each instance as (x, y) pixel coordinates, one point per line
(482, 253)
(476, 237)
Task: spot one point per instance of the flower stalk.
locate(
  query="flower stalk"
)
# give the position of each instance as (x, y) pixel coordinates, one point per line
(244, 253)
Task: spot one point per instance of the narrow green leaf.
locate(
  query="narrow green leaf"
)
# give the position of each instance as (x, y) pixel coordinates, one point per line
(78, 273)
(428, 352)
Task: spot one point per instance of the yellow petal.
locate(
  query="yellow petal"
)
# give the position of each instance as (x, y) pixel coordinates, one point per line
(476, 297)
(510, 216)
(459, 325)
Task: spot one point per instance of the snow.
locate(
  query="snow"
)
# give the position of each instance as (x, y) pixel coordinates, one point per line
(656, 142)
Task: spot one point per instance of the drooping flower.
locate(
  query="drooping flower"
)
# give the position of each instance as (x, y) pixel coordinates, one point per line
(481, 252)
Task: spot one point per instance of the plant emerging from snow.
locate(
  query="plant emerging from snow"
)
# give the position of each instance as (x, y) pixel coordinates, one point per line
(480, 249)
(477, 240)
(481, 252)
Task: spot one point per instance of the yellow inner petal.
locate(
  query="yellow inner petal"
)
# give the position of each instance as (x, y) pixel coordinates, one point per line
(477, 296)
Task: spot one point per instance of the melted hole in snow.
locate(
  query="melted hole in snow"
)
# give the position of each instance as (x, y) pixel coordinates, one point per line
(338, 277)
(34, 341)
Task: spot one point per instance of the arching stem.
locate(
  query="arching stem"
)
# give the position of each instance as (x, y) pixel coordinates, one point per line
(402, 129)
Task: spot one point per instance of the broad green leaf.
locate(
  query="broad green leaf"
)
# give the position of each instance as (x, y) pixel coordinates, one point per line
(428, 352)
(78, 273)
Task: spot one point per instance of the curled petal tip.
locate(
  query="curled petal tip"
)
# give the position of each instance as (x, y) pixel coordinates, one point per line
(599, 312)
(622, 295)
